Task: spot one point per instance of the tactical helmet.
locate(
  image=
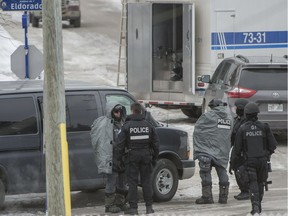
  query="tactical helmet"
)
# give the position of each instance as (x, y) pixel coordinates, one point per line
(251, 108)
(241, 103)
(215, 103)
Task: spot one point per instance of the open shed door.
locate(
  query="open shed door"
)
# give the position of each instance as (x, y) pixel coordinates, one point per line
(189, 48)
(139, 48)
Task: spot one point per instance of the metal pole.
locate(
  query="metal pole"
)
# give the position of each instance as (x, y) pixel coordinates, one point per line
(26, 47)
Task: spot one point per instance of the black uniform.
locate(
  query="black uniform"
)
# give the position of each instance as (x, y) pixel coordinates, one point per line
(140, 140)
(239, 167)
(256, 142)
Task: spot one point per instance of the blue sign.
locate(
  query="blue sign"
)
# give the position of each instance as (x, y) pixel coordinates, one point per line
(249, 40)
(20, 5)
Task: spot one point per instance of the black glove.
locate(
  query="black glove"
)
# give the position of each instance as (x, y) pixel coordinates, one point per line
(118, 166)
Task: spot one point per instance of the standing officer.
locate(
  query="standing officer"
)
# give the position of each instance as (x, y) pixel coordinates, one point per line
(211, 139)
(104, 132)
(140, 140)
(256, 142)
(240, 169)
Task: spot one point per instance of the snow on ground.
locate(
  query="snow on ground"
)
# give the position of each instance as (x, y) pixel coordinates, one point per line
(7, 47)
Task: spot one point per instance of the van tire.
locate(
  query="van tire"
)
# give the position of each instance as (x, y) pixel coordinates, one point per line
(2, 194)
(164, 180)
(194, 112)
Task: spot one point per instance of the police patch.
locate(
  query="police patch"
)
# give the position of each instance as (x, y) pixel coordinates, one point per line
(224, 123)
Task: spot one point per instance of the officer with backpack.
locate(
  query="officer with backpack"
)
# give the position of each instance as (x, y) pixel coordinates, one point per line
(255, 141)
(211, 146)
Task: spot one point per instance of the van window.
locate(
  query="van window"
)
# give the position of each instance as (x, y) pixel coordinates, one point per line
(81, 111)
(264, 79)
(122, 99)
(17, 116)
(217, 72)
(232, 75)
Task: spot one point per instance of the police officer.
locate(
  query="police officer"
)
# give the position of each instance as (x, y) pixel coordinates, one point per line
(211, 140)
(239, 169)
(139, 138)
(256, 142)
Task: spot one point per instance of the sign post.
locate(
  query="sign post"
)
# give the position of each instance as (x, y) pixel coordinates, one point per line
(22, 5)
(25, 26)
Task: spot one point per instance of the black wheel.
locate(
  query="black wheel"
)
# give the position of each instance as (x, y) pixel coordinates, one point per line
(2, 194)
(164, 180)
(76, 23)
(194, 112)
(35, 22)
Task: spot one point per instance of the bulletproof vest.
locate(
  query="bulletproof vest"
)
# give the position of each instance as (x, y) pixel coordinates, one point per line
(254, 136)
(139, 135)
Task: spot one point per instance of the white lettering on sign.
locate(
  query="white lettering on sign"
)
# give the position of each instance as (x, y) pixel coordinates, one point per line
(224, 123)
(19, 6)
(139, 130)
(254, 133)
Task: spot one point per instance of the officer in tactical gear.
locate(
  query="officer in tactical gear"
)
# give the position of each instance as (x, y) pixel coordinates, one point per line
(240, 172)
(256, 142)
(211, 140)
(139, 141)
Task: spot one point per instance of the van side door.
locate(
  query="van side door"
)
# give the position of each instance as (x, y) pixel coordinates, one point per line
(20, 143)
(82, 108)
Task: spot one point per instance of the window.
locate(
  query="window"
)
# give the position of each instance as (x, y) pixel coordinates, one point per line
(127, 101)
(231, 78)
(223, 73)
(81, 111)
(264, 79)
(17, 116)
(217, 72)
(121, 99)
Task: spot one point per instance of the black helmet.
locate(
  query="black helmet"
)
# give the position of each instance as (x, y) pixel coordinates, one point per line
(215, 103)
(241, 103)
(251, 108)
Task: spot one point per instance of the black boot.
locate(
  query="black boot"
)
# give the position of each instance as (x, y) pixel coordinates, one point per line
(244, 195)
(207, 197)
(110, 203)
(131, 211)
(223, 192)
(149, 210)
(120, 200)
(255, 203)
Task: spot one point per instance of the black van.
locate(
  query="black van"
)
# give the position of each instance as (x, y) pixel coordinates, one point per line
(22, 159)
